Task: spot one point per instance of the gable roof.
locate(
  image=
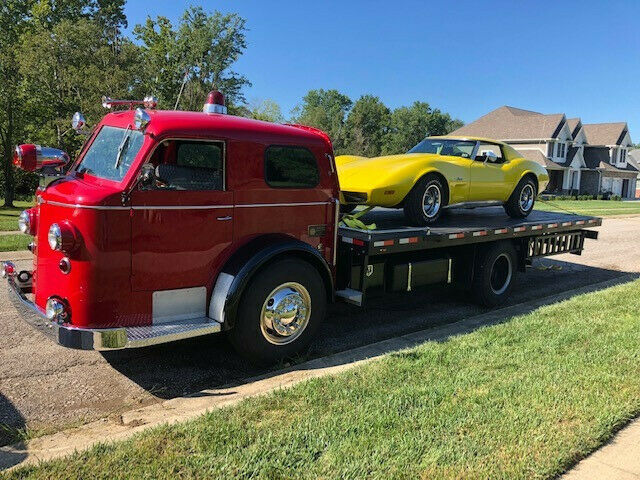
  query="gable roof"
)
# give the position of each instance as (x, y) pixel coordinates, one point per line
(539, 157)
(575, 124)
(510, 123)
(605, 133)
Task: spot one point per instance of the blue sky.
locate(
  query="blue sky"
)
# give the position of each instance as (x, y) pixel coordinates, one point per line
(466, 57)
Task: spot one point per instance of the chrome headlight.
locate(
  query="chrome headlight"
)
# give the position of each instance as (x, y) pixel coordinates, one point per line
(24, 222)
(55, 237)
(56, 310)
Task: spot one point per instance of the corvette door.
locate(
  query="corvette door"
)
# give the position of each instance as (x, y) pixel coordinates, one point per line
(488, 179)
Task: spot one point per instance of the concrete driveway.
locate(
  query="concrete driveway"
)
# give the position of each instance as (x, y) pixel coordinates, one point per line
(46, 387)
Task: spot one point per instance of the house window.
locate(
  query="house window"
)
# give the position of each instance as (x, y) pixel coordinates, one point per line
(561, 150)
(550, 150)
(290, 167)
(623, 156)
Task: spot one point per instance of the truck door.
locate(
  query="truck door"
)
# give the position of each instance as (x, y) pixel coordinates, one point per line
(488, 175)
(183, 219)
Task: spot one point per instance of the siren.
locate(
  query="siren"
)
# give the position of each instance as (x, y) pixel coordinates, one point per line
(215, 103)
(30, 157)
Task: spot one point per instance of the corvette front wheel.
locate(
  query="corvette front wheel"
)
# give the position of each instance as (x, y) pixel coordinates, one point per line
(522, 200)
(424, 203)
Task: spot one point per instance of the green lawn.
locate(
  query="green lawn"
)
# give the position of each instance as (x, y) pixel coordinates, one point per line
(19, 241)
(9, 216)
(596, 208)
(525, 399)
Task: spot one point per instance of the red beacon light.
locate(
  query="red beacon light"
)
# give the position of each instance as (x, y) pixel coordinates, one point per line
(215, 103)
(30, 157)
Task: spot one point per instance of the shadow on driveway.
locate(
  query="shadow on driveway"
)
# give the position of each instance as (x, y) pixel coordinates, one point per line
(183, 368)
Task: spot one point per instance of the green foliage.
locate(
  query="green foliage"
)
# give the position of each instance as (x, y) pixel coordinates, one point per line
(326, 110)
(410, 125)
(265, 110)
(201, 50)
(367, 126)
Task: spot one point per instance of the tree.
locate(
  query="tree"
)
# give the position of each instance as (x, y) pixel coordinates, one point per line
(409, 125)
(13, 17)
(326, 110)
(266, 110)
(367, 125)
(193, 58)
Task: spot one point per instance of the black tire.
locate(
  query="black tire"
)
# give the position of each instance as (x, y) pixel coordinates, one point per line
(347, 208)
(494, 273)
(514, 207)
(247, 334)
(414, 210)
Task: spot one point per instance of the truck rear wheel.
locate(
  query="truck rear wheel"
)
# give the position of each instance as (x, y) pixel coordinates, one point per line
(494, 273)
(280, 311)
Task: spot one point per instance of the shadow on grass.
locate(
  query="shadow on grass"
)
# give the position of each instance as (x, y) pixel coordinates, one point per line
(12, 428)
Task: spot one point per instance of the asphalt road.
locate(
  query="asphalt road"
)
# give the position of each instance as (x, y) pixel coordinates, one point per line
(47, 387)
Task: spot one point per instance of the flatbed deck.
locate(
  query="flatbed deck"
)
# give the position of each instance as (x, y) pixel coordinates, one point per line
(457, 227)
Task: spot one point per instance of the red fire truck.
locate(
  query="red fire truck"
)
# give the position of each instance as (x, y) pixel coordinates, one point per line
(173, 224)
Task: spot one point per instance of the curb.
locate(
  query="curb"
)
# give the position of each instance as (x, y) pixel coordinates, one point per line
(179, 409)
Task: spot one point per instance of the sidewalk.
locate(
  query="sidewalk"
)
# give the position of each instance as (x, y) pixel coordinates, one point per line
(617, 460)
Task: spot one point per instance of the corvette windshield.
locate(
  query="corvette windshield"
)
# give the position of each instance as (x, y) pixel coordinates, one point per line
(439, 146)
(111, 153)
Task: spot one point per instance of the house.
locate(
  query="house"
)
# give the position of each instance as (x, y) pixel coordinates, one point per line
(562, 144)
(606, 153)
(633, 157)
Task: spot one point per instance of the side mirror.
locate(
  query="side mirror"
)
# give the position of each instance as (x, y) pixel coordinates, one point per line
(78, 123)
(490, 157)
(147, 175)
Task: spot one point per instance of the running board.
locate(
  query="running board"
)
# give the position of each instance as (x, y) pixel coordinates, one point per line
(351, 296)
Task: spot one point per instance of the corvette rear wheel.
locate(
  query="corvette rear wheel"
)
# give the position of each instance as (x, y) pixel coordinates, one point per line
(424, 203)
(522, 200)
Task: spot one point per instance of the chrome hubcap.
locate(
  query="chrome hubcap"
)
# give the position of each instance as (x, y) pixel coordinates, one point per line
(501, 273)
(527, 196)
(285, 313)
(431, 201)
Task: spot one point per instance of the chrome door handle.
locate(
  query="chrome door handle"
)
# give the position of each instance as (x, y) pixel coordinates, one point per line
(222, 219)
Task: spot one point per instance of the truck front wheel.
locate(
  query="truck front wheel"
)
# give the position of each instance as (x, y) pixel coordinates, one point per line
(280, 311)
(494, 273)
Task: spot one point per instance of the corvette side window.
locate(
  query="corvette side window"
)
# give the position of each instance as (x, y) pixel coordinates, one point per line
(485, 148)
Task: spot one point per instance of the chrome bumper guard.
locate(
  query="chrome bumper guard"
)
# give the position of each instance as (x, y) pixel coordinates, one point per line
(105, 338)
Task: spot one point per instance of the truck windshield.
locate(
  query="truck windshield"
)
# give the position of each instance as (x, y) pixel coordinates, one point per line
(441, 146)
(111, 153)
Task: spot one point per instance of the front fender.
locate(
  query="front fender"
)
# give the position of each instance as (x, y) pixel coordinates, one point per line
(247, 261)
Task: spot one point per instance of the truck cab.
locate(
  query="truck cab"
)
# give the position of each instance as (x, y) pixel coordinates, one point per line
(172, 224)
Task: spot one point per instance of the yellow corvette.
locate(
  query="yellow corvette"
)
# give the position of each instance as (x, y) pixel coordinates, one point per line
(443, 172)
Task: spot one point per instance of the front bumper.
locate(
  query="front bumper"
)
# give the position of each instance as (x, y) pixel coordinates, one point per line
(104, 338)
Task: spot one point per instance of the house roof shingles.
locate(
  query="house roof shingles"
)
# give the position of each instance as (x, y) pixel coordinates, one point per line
(605, 133)
(575, 124)
(509, 123)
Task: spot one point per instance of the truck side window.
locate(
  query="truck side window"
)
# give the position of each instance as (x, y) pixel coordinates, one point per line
(191, 165)
(290, 167)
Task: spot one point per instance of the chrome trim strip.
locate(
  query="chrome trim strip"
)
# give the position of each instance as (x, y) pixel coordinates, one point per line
(77, 205)
(179, 207)
(488, 203)
(296, 204)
